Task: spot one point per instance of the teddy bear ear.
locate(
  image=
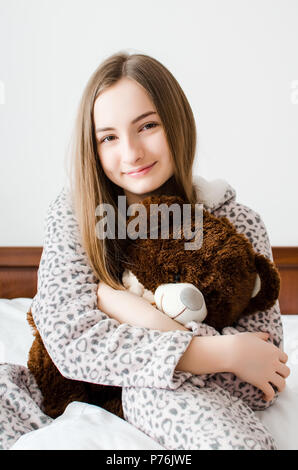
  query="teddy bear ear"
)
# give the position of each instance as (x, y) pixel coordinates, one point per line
(270, 285)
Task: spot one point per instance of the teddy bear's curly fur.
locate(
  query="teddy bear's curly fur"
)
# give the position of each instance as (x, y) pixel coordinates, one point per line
(224, 269)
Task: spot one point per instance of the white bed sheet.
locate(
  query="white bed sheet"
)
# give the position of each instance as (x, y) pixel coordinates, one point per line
(79, 426)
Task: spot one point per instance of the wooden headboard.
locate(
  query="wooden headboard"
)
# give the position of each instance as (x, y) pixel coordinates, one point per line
(18, 274)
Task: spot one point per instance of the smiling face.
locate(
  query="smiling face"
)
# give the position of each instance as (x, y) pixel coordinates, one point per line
(131, 136)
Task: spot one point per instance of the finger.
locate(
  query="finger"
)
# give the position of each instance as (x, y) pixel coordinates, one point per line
(263, 335)
(278, 381)
(268, 392)
(283, 357)
(283, 370)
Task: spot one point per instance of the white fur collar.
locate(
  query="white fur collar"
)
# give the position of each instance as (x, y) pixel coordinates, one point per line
(213, 194)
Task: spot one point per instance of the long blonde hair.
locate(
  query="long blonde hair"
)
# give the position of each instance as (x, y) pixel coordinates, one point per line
(89, 185)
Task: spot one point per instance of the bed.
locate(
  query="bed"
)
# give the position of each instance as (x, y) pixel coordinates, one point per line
(81, 424)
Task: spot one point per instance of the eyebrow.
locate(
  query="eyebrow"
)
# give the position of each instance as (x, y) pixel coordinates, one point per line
(102, 129)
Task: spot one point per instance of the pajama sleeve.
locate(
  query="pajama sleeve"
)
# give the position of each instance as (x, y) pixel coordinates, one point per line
(82, 341)
(251, 225)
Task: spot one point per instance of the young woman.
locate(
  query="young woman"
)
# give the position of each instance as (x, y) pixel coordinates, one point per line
(135, 135)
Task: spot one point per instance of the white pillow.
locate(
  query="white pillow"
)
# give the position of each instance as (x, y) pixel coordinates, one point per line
(86, 427)
(16, 335)
(281, 419)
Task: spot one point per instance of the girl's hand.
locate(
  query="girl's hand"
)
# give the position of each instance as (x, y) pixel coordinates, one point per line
(259, 362)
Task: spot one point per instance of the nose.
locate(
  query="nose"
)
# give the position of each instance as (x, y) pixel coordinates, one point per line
(182, 301)
(191, 298)
(131, 152)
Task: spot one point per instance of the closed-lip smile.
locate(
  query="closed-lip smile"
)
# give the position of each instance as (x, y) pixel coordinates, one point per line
(139, 169)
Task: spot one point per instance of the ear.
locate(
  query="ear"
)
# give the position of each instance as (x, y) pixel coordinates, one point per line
(270, 286)
(132, 284)
(31, 322)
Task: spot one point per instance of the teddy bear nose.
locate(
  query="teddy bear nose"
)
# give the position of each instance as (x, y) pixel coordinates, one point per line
(191, 298)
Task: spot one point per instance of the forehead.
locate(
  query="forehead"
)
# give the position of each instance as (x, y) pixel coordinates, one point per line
(125, 99)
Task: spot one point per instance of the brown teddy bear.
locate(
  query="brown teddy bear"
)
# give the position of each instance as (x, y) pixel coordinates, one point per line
(217, 283)
(221, 281)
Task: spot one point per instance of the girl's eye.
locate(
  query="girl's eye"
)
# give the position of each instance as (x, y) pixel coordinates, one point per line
(154, 124)
(106, 138)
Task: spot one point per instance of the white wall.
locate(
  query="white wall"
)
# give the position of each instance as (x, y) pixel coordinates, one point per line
(235, 59)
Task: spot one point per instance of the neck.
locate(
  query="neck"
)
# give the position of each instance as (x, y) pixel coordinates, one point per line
(169, 188)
